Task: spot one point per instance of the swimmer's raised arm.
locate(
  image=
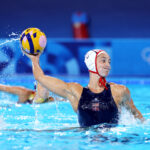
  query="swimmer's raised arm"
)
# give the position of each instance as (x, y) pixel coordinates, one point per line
(53, 84)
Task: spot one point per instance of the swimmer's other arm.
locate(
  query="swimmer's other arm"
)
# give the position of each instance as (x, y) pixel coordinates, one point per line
(128, 103)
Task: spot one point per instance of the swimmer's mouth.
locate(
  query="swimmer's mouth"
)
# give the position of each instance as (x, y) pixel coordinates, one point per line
(105, 69)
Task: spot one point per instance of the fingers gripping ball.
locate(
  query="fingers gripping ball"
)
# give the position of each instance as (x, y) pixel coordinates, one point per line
(33, 41)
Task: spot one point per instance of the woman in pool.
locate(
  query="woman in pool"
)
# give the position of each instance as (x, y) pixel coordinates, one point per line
(100, 101)
(41, 95)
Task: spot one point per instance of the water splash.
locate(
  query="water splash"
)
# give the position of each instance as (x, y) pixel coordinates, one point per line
(36, 121)
(13, 34)
(126, 118)
(9, 41)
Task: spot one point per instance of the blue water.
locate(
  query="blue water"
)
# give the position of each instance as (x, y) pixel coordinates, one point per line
(55, 125)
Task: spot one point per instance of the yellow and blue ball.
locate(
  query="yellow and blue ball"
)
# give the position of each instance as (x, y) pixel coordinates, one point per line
(33, 41)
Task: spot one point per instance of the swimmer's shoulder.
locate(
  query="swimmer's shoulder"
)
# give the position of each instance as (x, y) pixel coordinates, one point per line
(119, 92)
(75, 87)
(74, 93)
(118, 87)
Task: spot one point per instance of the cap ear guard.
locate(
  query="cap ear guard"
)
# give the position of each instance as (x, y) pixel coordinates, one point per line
(90, 59)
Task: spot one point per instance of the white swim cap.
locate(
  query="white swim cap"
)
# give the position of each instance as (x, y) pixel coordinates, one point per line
(90, 59)
(91, 63)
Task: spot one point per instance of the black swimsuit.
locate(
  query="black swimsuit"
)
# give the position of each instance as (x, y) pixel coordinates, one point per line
(96, 108)
(29, 101)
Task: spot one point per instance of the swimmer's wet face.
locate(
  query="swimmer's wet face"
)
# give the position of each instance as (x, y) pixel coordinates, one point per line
(103, 64)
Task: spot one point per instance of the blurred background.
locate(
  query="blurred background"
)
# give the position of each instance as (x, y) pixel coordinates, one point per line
(72, 27)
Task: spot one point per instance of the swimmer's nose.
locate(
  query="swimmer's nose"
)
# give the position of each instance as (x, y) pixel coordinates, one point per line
(108, 66)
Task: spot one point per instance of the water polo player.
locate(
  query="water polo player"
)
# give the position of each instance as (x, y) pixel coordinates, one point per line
(100, 101)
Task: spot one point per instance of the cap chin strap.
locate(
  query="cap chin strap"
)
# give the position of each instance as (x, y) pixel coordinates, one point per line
(102, 80)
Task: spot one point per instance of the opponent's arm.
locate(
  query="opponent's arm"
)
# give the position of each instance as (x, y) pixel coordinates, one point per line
(21, 92)
(41, 91)
(17, 90)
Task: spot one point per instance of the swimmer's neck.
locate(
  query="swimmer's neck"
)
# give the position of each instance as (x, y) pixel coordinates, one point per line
(93, 83)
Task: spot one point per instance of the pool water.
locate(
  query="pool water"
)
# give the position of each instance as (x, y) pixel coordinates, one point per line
(55, 125)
